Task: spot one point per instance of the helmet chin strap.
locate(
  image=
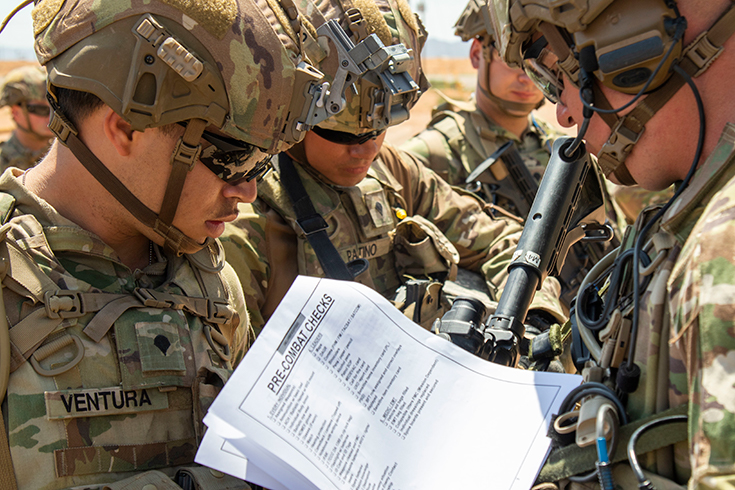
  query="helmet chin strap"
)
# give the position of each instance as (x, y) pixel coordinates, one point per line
(507, 107)
(183, 159)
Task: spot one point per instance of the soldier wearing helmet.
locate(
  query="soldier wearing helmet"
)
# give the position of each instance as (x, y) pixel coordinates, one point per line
(24, 91)
(647, 83)
(121, 320)
(463, 135)
(342, 204)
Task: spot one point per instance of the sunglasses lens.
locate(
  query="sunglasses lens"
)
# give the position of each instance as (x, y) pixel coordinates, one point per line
(545, 79)
(38, 109)
(233, 160)
(342, 138)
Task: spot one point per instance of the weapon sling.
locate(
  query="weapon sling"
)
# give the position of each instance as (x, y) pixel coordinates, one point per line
(312, 223)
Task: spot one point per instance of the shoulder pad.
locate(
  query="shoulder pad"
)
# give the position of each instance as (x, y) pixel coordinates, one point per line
(7, 205)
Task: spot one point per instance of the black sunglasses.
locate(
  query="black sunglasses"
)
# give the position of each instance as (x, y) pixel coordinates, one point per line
(232, 160)
(38, 109)
(342, 138)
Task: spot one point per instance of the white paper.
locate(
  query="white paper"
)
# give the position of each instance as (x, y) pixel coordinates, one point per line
(341, 391)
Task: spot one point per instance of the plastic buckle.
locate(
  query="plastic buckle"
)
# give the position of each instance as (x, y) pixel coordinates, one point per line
(188, 155)
(312, 224)
(63, 304)
(358, 26)
(702, 52)
(217, 342)
(52, 347)
(219, 312)
(621, 141)
(149, 299)
(61, 127)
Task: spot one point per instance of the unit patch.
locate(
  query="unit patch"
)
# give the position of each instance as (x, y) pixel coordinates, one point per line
(66, 404)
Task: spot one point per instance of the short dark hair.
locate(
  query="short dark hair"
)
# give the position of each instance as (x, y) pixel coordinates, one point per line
(76, 105)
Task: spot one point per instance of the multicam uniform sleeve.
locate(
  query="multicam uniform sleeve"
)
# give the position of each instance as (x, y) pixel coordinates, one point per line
(245, 250)
(485, 244)
(702, 306)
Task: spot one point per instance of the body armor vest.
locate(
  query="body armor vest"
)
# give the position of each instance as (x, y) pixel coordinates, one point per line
(471, 141)
(408, 259)
(112, 378)
(360, 219)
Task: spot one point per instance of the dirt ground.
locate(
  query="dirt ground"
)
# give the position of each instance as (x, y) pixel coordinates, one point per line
(454, 77)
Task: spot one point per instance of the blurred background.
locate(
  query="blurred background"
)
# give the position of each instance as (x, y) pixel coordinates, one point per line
(445, 60)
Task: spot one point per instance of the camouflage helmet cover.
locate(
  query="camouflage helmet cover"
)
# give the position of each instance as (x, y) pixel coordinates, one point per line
(393, 22)
(474, 22)
(23, 84)
(514, 22)
(228, 62)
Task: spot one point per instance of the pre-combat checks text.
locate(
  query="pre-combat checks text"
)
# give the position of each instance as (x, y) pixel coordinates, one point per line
(120, 319)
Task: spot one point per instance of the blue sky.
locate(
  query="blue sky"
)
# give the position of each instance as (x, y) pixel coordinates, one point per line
(439, 16)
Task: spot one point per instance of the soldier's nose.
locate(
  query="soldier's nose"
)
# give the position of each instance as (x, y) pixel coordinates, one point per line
(367, 150)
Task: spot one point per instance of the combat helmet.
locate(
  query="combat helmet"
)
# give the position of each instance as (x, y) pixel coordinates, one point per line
(630, 46)
(23, 84)
(384, 98)
(237, 65)
(474, 23)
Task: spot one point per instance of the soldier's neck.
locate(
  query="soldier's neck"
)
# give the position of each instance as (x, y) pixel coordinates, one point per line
(31, 141)
(62, 182)
(515, 124)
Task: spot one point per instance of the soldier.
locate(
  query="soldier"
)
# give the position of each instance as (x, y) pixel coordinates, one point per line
(619, 70)
(24, 91)
(342, 204)
(121, 320)
(463, 135)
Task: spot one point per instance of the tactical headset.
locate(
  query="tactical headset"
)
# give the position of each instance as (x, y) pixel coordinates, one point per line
(626, 43)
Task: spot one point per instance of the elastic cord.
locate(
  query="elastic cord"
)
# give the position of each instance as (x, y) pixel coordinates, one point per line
(633, 459)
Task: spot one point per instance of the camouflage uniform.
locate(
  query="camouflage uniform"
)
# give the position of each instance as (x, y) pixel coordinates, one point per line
(686, 339)
(135, 400)
(267, 248)
(629, 201)
(14, 154)
(460, 137)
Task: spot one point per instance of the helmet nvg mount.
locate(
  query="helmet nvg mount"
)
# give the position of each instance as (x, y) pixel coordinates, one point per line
(383, 96)
(233, 64)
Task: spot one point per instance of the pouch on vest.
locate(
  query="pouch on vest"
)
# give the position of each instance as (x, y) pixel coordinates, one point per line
(421, 250)
(420, 300)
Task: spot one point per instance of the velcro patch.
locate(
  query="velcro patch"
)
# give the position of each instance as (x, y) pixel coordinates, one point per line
(67, 404)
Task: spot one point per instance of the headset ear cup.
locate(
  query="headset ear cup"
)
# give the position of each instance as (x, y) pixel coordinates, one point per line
(628, 41)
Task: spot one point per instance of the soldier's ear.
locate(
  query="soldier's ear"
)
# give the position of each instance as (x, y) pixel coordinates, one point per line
(16, 112)
(118, 131)
(476, 53)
